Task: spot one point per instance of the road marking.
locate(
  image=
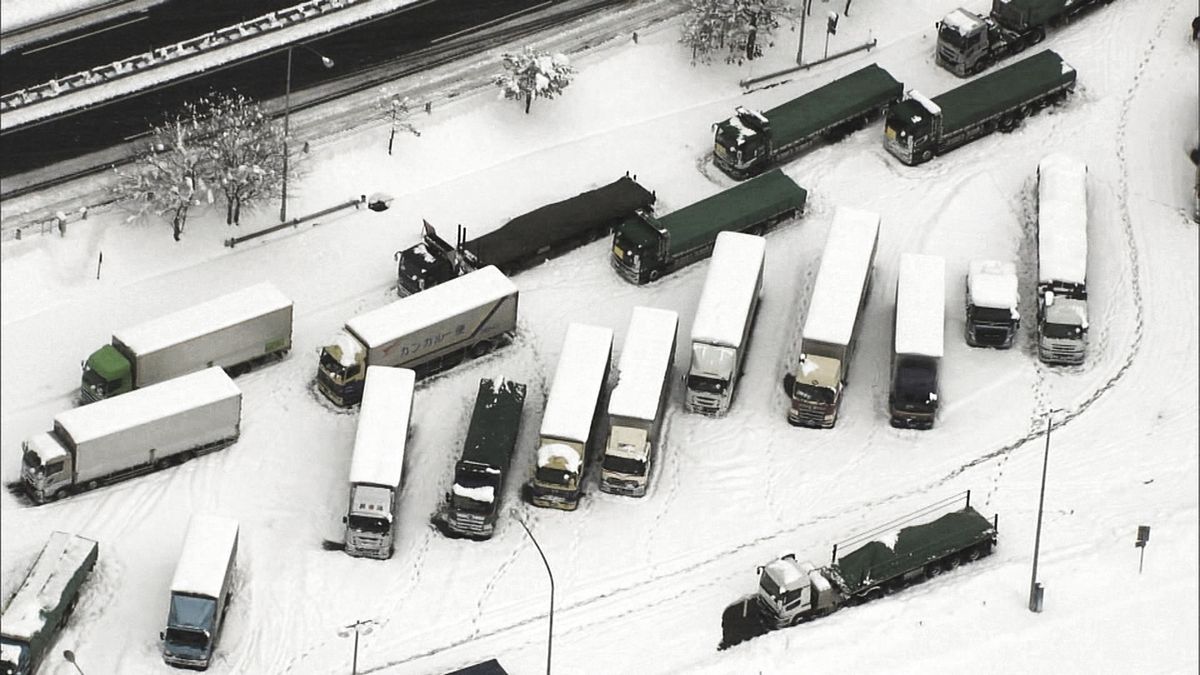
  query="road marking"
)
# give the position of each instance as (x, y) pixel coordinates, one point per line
(143, 17)
(492, 22)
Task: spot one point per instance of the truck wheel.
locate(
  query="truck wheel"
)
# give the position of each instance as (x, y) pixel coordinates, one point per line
(480, 348)
(93, 484)
(59, 494)
(933, 571)
(654, 275)
(1036, 36)
(799, 619)
(926, 156)
(971, 555)
(952, 563)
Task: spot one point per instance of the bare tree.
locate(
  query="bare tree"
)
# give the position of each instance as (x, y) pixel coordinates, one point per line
(397, 109)
(168, 179)
(532, 74)
(246, 151)
(738, 26)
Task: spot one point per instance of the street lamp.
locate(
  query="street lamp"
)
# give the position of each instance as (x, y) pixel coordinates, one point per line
(1035, 589)
(360, 627)
(287, 109)
(70, 657)
(550, 637)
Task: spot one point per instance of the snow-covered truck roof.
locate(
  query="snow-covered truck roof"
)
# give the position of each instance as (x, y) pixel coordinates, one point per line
(845, 266)
(208, 547)
(204, 318)
(960, 21)
(431, 306)
(164, 399)
(1062, 219)
(992, 283)
(578, 382)
(729, 289)
(921, 305)
(382, 426)
(646, 360)
(48, 580)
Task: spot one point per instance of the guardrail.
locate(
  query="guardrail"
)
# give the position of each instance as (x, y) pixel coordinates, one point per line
(358, 202)
(805, 66)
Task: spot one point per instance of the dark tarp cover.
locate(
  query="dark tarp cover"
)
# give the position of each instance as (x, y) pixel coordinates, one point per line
(751, 202)
(492, 434)
(835, 102)
(1002, 90)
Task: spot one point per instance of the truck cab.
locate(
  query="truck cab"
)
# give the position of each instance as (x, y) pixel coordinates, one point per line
(342, 373)
(639, 248)
(742, 143)
(816, 391)
(1062, 326)
(46, 468)
(912, 128)
(914, 396)
(965, 42)
(711, 377)
(992, 318)
(200, 592)
(369, 521)
(626, 465)
(14, 657)
(791, 592)
(472, 499)
(191, 623)
(105, 373)
(556, 480)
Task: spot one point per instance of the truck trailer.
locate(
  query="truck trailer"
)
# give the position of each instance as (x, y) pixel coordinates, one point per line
(427, 332)
(992, 297)
(523, 241)
(200, 591)
(636, 406)
(236, 332)
(569, 423)
(1062, 260)
(969, 43)
(917, 340)
(645, 247)
(880, 561)
(750, 142)
(138, 432)
(375, 469)
(724, 318)
(834, 318)
(473, 502)
(918, 128)
(44, 601)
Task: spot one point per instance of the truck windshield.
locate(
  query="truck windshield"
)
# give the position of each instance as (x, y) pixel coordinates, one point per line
(1061, 331)
(14, 657)
(914, 383)
(990, 315)
(546, 474)
(811, 394)
(708, 385)
(368, 524)
(952, 37)
(191, 614)
(102, 386)
(625, 465)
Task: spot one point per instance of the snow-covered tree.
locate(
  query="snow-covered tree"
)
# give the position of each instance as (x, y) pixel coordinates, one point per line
(736, 26)
(532, 74)
(397, 110)
(246, 151)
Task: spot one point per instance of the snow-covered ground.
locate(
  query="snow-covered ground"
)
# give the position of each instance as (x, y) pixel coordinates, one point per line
(641, 583)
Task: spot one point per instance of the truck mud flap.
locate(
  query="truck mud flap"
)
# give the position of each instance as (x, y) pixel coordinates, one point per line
(740, 622)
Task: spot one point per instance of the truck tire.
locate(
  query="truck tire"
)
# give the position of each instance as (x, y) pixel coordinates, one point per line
(1036, 36)
(933, 570)
(480, 348)
(654, 275)
(926, 156)
(93, 484)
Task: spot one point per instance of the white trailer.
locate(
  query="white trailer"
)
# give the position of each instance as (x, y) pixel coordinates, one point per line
(427, 332)
(832, 323)
(235, 331)
(145, 429)
(992, 297)
(918, 340)
(375, 469)
(569, 422)
(200, 591)
(1062, 260)
(44, 602)
(721, 331)
(635, 408)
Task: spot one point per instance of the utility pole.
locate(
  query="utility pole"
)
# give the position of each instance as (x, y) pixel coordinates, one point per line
(805, 5)
(360, 627)
(550, 637)
(287, 110)
(1035, 589)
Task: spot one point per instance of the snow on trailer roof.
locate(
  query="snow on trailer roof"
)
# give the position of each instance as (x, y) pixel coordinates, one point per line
(139, 406)
(382, 426)
(424, 309)
(1062, 219)
(206, 317)
(921, 305)
(992, 284)
(645, 363)
(729, 289)
(578, 382)
(43, 589)
(845, 265)
(207, 548)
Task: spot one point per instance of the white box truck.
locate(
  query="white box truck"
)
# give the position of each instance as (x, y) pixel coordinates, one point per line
(917, 340)
(833, 320)
(1062, 260)
(573, 408)
(44, 601)
(427, 332)
(636, 406)
(200, 591)
(136, 433)
(375, 469)
(992, 297)
(724, 318)
(236, 332)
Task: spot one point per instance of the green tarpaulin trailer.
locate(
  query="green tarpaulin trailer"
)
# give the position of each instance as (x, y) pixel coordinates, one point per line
(1003, 90)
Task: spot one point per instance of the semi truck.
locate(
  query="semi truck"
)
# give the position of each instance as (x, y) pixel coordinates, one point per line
(833, 320)
(378, 460)
(637, 404)
(523, 241)
(573, 408)
(991, 298)
(751, 141)
(427, 332)
(645, 247)
(200, 591)
(724, 319)
(44, 601)
(1062, 260)
(969, 43)
(138, 432)
(871, 564)
(236, 332)
(918, 128)
(917, 340)
(473, 502)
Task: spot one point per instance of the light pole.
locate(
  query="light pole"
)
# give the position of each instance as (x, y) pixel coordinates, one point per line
(70, 657)
(550, 637)
(805, 8)
(1035, 589)
(360, 627)
(287, 109)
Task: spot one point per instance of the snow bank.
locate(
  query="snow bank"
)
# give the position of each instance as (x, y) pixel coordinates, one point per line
(921, 305)
(729, 289)
(845, 267)
(382, 426)
(646, 361)
(1062, 219)
(204, 318)
(43, 589)
(993, 283)
(208, 551)
(578, 383)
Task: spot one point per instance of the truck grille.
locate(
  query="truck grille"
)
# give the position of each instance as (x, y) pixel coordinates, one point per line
(626, 272)
(362, 545)
(469, 524)
(990, 335)
(704, 405)
(618, 486)
(1069, 354)
(807, 416)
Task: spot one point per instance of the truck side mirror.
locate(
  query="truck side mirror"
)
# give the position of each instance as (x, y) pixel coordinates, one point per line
(161, 635)
(758, 570)
(344, 520)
